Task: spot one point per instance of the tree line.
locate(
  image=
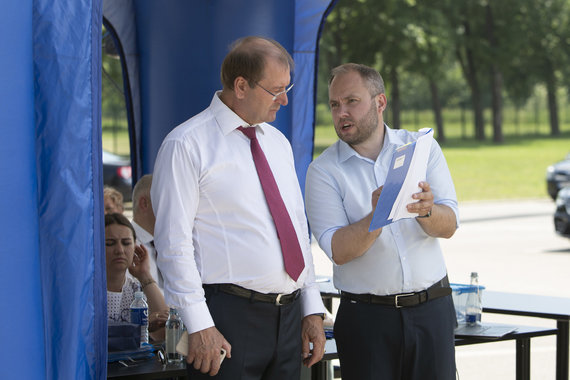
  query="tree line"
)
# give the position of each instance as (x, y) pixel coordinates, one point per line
(502, 49)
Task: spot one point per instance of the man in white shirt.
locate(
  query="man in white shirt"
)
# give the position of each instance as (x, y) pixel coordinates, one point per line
(396, 317)
(143, 223)
(220, 254)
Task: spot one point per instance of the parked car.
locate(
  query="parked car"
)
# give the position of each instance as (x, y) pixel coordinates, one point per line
(117, 173)
(558, 176)
(562, 213)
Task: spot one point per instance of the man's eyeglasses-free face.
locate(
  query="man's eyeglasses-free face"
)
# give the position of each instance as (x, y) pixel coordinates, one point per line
(279, 93)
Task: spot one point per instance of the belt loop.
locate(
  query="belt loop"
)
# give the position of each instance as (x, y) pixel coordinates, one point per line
(216, 289)
(370, 299)
(252, 297)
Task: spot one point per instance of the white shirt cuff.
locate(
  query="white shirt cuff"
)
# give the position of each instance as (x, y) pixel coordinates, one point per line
(196, 317)
(311, 301)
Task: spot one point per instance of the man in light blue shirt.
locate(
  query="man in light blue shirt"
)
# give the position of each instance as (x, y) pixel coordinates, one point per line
(396, 317)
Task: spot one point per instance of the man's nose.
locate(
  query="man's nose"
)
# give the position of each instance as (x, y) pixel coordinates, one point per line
(282, 99)
(342, 110)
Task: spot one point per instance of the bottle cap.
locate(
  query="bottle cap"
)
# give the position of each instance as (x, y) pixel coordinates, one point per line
(139, 294)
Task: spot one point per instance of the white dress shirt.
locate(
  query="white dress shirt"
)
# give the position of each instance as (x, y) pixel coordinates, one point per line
(145, 238)
(338, 193)
(213, 224)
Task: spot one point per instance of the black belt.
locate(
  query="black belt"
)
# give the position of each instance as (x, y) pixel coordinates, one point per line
(274, 298)
(437, 290)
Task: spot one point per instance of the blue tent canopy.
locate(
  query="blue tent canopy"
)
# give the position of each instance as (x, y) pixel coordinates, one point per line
(52, 277)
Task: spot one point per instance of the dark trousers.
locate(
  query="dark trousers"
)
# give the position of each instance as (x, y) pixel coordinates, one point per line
(382, 342)
(265, 339)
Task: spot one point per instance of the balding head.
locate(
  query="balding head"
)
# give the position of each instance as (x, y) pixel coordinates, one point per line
(247, 58)
(143, 214)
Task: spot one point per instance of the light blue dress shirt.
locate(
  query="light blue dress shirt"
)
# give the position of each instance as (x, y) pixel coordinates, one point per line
(338, 193)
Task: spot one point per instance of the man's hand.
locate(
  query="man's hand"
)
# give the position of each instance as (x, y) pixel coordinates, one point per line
(312, 332)
(140, 267)
(204, 348)
(425, 204)
(157, 320)
(442, 221)
(375, 196)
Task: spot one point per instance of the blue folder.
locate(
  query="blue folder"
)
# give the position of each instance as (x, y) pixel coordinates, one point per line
(392, 186)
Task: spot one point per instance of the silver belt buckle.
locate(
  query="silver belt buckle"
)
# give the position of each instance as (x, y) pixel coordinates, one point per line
(397, 296)
(278, 300)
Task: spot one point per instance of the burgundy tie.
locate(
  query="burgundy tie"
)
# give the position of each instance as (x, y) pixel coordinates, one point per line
(292, 255)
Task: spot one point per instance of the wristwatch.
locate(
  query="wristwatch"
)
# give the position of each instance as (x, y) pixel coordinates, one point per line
(322, 315)
(426, 215)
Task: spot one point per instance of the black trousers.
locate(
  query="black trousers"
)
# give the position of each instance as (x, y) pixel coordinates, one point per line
(265, 339)
(382, 342)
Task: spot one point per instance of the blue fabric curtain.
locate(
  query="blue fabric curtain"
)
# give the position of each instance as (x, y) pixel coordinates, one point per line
(309, 19)
(67, 102)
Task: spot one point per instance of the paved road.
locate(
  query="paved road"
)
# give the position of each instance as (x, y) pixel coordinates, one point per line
(513, 247)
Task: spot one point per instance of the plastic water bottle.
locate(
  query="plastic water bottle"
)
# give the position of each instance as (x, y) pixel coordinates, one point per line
(174, 328)
(473, 307)
(139, 315)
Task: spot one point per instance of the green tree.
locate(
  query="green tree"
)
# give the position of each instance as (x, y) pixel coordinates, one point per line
(466, 19)
(430, 55)
(547, 54)
(376, 33)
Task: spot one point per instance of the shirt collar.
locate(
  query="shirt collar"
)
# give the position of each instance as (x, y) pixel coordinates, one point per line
(142, 235)
(227, 119)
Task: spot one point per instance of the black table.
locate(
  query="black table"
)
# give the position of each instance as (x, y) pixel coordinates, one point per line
(328, 291)
(152, 369)
(508, 303)
(528, 305)
(522, 337)
(147, 369)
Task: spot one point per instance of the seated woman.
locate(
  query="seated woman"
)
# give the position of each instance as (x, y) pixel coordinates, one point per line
(123, 254)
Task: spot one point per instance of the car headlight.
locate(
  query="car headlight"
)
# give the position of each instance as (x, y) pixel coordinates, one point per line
(549, 172)
(563, 199)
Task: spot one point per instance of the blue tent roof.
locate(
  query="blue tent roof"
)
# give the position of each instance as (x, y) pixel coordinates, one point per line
(52, 275)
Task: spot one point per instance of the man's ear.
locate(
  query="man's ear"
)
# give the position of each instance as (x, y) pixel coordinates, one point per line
(240, 87)
(381, 102)
(144, 203)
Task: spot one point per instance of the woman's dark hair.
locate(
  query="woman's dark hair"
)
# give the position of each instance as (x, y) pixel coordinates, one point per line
(120, 219)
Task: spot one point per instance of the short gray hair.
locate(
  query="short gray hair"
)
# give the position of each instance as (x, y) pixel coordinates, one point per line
(141, 188)
(372, 78)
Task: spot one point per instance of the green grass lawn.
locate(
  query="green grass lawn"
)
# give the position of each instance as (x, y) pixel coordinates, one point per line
(480, 170)
(486, 171)
(516, 169)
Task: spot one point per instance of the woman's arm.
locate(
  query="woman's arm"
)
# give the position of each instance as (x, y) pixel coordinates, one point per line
(157, 308)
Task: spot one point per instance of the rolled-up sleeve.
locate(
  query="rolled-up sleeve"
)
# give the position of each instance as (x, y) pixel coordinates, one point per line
(325, 209)
(440, 180)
